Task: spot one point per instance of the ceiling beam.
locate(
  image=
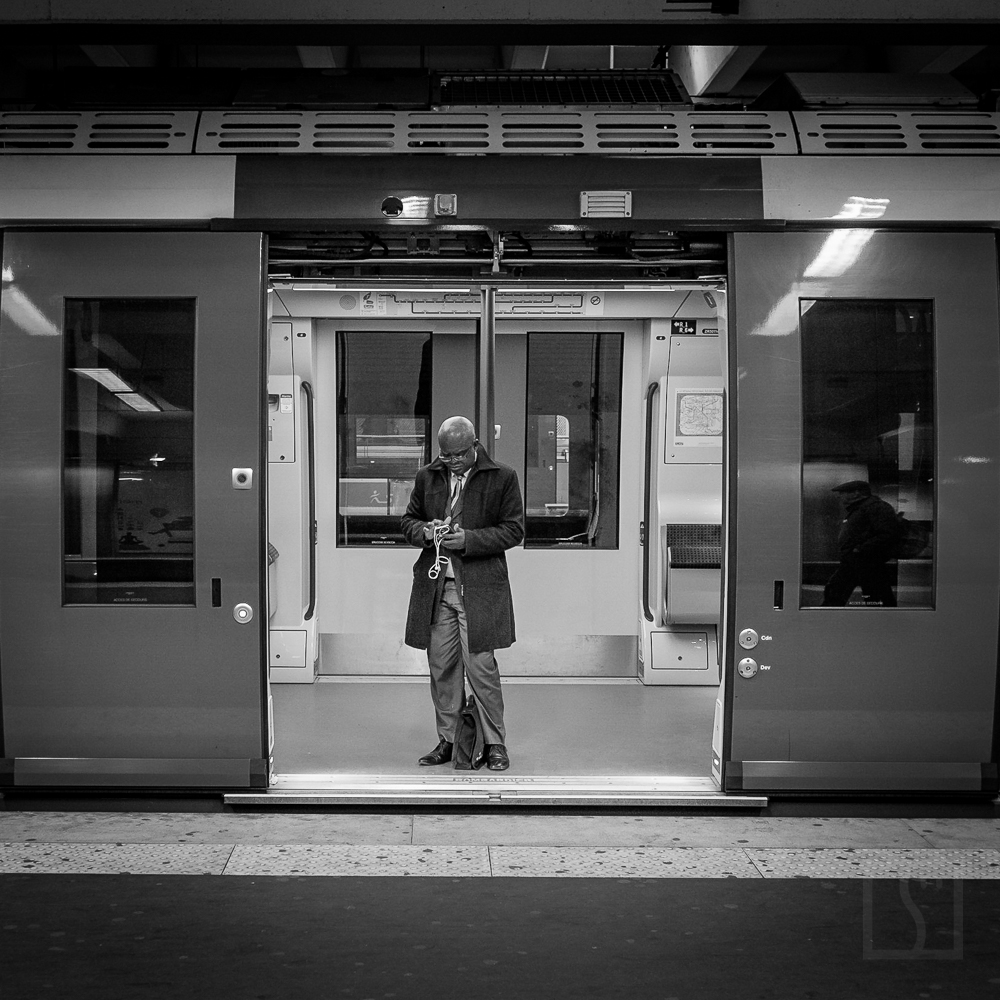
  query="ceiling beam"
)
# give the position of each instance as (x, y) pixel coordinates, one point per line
(104, 55)
(525, 57)
(374, 12)
(931, 58)
(952, 57)
(323, 56)
(712, 69)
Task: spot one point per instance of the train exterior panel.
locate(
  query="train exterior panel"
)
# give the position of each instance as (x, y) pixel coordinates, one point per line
(636, 557)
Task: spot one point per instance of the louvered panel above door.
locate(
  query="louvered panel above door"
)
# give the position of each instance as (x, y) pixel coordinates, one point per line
(98, 132)
(888, 133)
(500, 130)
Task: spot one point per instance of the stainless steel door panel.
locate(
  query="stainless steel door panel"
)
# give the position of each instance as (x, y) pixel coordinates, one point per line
(864, 683)
(120, 681)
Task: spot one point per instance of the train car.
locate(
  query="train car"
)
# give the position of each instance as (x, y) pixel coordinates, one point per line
(717, 347)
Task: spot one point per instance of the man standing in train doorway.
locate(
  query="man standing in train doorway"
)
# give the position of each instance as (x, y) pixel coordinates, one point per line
(869, 536)
(465, 511)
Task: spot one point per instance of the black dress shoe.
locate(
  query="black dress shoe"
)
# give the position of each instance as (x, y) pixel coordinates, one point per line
(496, 757)
(441, 754)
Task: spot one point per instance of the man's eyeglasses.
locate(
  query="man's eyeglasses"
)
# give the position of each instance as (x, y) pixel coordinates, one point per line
(446, 456)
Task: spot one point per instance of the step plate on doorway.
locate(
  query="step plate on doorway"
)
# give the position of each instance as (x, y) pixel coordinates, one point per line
(484, 789)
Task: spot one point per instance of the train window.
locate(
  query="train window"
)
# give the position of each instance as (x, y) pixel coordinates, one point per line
(868, 505)
(383, 430)
(128, 479)
(572, 430)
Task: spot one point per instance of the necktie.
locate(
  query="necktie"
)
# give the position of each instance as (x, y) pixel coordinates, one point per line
(456, 490)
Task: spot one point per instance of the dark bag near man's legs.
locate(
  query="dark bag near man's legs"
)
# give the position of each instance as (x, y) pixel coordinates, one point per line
(469, 753)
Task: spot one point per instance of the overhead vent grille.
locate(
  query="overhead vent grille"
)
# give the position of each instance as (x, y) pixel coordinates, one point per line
(98, 132)
(605, 204)
(888, 133)
(499, 130)
(559, 89)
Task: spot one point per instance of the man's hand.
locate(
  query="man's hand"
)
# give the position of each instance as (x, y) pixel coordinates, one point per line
(429, 528)
(454, 539)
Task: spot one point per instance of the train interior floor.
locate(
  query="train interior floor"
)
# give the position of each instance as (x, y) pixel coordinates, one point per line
(564, 727)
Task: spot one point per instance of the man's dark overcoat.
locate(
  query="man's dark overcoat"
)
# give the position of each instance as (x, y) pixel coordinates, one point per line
(493, 518)
(870, 529)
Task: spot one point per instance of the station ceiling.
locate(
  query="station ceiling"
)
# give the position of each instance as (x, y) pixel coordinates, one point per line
(169, 53)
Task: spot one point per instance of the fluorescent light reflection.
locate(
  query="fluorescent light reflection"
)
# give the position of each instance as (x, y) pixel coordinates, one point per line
(138, 402)
(105, 377)
(417, 206)
(842, 248)
(839, 253)
(23, 313)
(859, 207)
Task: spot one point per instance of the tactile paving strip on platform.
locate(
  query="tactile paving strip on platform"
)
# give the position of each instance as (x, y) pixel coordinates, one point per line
(919, 863)
(358, 859)
(622, 862)
(498, 861)
(114, 859)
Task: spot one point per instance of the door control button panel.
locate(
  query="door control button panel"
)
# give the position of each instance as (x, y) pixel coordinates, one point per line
(243, 613)
(748, 638)
(747, 667)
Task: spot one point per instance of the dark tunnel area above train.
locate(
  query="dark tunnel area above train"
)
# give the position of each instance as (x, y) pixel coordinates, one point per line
(483, 253)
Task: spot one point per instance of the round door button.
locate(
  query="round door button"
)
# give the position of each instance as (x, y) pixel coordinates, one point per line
(747, 667)
(748, 638)
(243, 613)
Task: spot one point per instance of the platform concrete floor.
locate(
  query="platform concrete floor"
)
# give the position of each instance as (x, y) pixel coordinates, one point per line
(511, 906)
(144, 937)
(565, 728)
(497, 828)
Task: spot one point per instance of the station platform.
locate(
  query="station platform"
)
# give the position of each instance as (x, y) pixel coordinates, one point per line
(501, 844)
(511, 905)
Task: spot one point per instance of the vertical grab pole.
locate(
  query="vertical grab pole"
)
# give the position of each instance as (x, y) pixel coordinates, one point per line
(648, 533)
(485, 369)
(311, 527)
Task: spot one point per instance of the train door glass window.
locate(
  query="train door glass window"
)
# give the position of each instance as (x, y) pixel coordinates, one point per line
(572, 431)
(868, 501)
(383, 430)
(128, 470)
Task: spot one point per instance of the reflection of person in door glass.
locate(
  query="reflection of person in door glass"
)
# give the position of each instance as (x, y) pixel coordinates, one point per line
(869, 535)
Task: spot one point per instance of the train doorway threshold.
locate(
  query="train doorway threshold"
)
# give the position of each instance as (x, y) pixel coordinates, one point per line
(574, 742)
(469, 788)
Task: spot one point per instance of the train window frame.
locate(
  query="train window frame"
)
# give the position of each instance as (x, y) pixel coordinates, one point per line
(913, 548)
(392, 536)
(169, 578)
(599, 519)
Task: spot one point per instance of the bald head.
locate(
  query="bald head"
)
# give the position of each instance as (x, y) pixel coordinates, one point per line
(456, 431)
(455, 441)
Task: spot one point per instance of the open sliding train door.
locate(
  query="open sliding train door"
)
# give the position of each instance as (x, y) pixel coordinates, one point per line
(132, 604)
(861, 646)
